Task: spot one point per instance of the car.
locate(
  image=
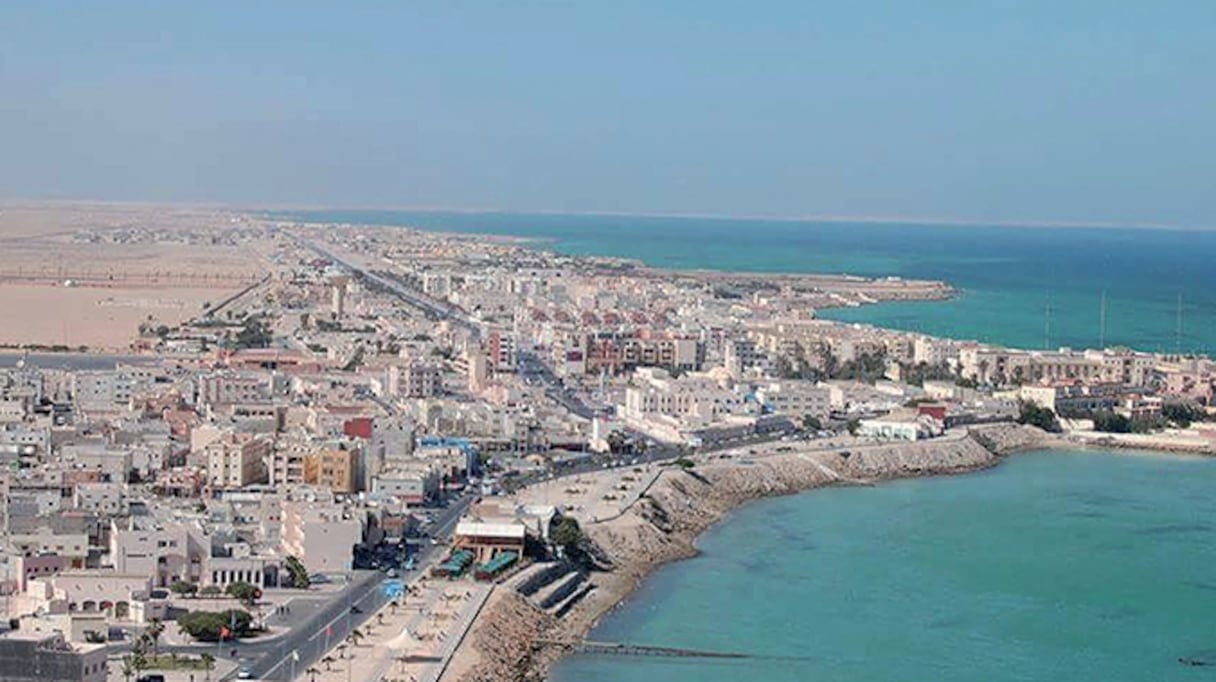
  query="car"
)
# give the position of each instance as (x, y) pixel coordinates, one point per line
(392, 573)
(244, 673)
(410, 564)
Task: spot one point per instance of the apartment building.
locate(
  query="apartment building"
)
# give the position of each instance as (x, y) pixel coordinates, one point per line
(236, 460)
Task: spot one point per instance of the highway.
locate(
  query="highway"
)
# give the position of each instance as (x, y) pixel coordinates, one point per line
(410, 295)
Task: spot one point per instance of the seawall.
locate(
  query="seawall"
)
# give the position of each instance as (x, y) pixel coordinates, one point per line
(514, 640)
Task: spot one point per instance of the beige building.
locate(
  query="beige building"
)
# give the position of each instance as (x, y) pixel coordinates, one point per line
(320, 533)
(335, 469)
(237, 460)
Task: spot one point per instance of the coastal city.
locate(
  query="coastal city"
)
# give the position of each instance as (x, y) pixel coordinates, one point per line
(237, 445)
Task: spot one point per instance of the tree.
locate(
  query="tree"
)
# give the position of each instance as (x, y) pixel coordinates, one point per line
(853, 426)
(1029, 412)
(208, 663)
(1182, 414)
(567, 534)
(211, 626)
(128, 667)
(1111, 422)
(617, 442)
(811, 423)
(154, 630)
(211, 591)
(246, 593)
(299, 575)
(329, 663)
(183, 588)
(312, 674)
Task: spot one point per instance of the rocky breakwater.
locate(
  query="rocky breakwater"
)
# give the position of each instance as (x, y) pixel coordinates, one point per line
(516, 641)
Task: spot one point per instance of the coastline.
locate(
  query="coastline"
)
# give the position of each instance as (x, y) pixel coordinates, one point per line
(515, 640)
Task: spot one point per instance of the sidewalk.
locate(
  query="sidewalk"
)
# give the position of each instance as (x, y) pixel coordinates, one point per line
(409, 642)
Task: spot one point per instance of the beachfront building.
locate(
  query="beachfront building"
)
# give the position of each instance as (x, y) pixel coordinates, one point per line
(489, 530)
(908, 427)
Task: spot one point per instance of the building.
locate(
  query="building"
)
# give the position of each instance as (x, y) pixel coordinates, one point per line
(502, 352)
(227, 388)
(320, 533)
(910, 428)
(237, 460)
(413, 484)
(337, 304)
(796, 398)
(617, 352)
(743, 357)
(335, 469)
(43, 658)
(1073, 398)
(488, 531)
(164, 552)
(415, 380)
(102, 392)
(478, 369)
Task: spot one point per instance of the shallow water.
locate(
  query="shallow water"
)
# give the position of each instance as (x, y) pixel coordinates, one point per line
(1053, 566)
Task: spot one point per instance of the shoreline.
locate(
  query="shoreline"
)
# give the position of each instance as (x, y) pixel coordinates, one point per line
(515, 640)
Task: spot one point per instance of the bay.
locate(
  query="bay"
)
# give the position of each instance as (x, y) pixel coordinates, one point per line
(1054, 566)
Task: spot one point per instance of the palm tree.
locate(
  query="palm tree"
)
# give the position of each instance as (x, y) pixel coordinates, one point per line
(208, 663)
(380, 618)
(154, 630)
(329, 663)
(356, 636)
(312, 674)
(138, 662)
(393, 606)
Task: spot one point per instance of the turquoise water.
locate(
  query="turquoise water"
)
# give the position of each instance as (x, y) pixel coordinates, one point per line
(1054, 566)
(1010, 277)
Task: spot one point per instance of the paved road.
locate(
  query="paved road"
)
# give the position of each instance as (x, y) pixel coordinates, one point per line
(328, 624)
(409, 295)
(72, 361)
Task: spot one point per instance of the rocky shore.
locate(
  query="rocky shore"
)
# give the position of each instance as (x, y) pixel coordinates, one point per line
(514, 640)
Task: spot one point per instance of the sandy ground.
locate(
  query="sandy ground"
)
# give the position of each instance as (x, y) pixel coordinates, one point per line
(100, 318)
(128, 263)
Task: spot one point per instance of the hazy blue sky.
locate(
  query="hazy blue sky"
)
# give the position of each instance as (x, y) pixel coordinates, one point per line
(1072, 110)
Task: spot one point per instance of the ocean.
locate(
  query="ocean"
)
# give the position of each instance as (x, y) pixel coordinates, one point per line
(1022, 287)
(1056, 565)
(1053, 566)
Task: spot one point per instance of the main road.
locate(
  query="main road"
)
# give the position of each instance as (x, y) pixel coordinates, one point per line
(443, 311)
(287, 657)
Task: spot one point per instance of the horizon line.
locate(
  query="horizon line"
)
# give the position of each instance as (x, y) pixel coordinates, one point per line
(246, 207)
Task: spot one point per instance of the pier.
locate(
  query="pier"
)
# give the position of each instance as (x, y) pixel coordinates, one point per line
(626, 649)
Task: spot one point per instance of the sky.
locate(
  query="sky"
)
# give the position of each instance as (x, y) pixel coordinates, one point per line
(1098, 111)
